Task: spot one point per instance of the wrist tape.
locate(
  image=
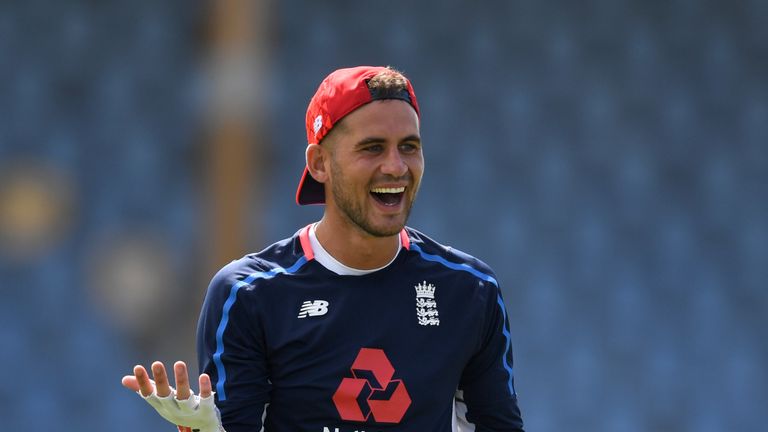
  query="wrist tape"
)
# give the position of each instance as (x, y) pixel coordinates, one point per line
(194, 413)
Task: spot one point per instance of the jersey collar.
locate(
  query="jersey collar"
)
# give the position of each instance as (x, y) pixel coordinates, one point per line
(309, 253)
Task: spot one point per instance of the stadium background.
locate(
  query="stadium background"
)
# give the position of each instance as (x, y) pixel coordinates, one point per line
(608, 158)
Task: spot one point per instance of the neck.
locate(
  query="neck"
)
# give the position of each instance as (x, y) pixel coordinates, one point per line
(355, 248)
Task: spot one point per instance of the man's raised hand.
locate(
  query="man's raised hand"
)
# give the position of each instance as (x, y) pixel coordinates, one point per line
(140, 381)
(179, 406)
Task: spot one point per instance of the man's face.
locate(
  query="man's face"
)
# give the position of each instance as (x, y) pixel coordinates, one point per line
(376, 166)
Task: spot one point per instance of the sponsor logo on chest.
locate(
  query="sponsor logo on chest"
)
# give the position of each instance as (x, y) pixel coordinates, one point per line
(311, 308)
(372, 393)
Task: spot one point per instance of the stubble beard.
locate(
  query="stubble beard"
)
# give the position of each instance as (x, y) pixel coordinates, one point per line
(355, 211)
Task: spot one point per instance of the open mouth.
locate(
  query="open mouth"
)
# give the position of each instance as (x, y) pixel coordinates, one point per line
(388, 196)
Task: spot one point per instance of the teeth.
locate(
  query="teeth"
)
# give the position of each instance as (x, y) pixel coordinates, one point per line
(400, 189)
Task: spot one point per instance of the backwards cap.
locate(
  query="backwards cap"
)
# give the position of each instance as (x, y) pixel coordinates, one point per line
(340, 93)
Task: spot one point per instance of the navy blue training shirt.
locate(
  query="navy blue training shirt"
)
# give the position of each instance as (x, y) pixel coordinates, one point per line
(420, 345)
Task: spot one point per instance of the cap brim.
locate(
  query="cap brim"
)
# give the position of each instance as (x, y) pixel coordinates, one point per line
(310, 191)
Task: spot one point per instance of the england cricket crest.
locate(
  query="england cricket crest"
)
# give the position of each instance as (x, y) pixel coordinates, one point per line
(426, 306)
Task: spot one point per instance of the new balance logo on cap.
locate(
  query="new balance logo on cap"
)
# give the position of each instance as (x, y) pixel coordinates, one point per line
(313, 308)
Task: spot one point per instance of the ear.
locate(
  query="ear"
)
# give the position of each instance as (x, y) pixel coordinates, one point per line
(316, 162)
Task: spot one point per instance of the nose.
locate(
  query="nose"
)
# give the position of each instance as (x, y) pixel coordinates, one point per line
(394, 164)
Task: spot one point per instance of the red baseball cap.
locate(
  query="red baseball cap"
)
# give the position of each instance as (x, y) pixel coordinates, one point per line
(340, 93)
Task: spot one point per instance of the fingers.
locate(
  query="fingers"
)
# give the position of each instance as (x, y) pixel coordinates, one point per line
(205, 386)
(182, 380)
(130, 382)
(143, 383)
(161, 379)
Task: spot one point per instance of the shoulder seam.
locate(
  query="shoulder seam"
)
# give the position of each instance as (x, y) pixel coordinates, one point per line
(455, 266)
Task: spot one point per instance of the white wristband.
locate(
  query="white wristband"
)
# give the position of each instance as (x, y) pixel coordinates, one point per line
(195, 412)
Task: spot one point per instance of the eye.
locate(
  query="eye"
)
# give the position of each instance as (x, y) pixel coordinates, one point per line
(373, 148)
(409, 148)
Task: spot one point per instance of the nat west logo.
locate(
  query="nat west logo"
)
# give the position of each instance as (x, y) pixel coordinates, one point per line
(313, 308)
(372, 391)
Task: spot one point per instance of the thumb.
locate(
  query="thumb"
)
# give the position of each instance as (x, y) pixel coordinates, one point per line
(130, 382)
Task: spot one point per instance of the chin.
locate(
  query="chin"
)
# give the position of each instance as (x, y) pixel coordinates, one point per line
(385, 229)
(383, 234)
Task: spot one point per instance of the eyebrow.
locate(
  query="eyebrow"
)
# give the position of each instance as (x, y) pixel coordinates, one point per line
(379, 140)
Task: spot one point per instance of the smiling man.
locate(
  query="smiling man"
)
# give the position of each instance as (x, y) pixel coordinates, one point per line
(356, 322)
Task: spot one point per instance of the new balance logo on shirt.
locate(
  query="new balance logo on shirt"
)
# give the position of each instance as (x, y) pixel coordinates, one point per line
(313, 308)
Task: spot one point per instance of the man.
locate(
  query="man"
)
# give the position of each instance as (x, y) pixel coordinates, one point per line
(355, 323)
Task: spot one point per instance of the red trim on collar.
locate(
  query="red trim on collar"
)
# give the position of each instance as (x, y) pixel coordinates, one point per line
(404, 240)
(309, 254)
